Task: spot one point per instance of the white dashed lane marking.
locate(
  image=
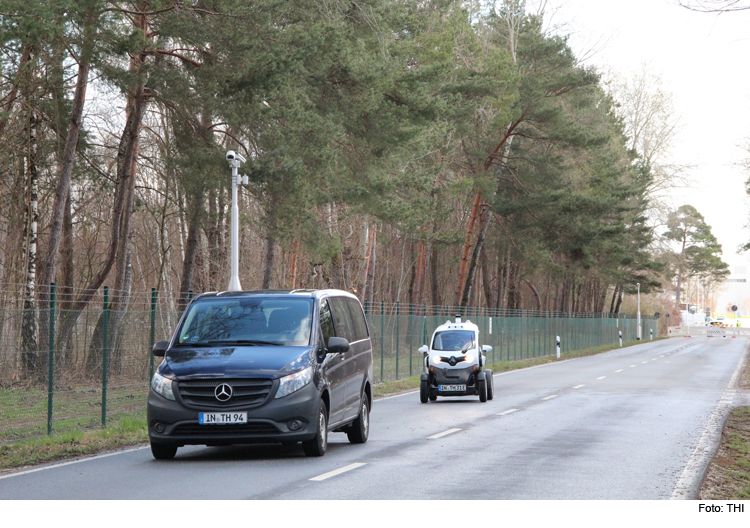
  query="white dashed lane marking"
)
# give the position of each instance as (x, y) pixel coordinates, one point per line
(601, 377)
(550, 397)
(444, 433)
(507, 412)
(339, 471)
(618, 370)
(631, 366)
(579, 386)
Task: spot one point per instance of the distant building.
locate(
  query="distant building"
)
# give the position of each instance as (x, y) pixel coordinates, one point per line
(735, 290)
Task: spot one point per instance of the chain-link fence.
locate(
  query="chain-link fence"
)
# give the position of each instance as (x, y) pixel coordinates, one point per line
(65, 370)
(399, 330)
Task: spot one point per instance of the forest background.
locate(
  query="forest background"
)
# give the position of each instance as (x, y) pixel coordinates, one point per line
(438, 152)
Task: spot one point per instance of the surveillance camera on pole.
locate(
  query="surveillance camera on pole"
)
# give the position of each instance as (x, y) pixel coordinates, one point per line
(235, 160)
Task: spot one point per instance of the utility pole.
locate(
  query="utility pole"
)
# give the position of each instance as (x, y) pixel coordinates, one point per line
(638, 330)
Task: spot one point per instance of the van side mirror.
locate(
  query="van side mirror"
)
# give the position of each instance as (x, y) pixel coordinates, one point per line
(160, 348)
(486, 348)
(337, 345)
(423, 349)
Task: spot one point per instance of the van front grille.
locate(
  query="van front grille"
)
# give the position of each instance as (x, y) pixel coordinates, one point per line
(257, 428)
(246, 393)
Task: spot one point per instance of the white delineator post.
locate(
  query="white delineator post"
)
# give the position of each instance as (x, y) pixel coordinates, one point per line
(234, 278)
(638, 330)
(558, 346)
(620, 338)
(651, 335)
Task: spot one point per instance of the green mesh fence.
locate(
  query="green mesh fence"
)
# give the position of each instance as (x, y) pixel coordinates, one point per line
(84, 395)
(513, 335)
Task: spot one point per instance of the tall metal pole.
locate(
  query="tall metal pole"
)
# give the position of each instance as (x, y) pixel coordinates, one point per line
(235, 160)
(234, 278)
(638, 329)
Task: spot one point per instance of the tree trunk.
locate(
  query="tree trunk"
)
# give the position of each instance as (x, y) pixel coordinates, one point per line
(13, 94)
(125, 173)
(268, 260)
(486, 280)
(412, 273)
(536, 294)
(71, 143)
(463, 265)
(191, 250)
(30, 332)
(619, 301)
(434, 280)
(292, 280)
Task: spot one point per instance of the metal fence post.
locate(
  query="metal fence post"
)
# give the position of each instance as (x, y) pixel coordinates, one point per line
(153, 332)
(382, 336)
(104, 356)
(398, 328)
(411, 337)
(51, 374)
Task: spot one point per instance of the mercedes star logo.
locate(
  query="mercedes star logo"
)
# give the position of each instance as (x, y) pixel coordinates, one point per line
(223, 392)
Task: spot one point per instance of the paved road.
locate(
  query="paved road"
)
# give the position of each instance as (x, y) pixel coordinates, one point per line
(620, 425)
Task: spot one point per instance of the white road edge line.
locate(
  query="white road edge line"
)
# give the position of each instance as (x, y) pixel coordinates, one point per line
(77, 461)
(579, 386)
(339, 471)
(507, 412)
(703, 452)
(601, 377)
(444, 433)
(550, 397)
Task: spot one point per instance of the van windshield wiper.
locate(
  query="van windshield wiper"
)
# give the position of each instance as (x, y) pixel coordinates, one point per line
(220, 342)
(249, 342)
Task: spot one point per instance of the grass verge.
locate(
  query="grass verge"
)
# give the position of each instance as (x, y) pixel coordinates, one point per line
(394, 387)
(728, 475)
(127, 431)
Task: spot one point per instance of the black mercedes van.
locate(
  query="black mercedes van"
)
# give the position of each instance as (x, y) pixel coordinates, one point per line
(263, 367)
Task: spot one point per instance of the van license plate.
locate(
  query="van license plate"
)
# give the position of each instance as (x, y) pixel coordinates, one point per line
(451, 388)
(221, 418)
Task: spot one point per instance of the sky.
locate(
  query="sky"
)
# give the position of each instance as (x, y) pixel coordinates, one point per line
(704, 61)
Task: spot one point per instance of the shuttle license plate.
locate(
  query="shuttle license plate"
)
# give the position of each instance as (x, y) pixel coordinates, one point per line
(451, 388)
(221, 418)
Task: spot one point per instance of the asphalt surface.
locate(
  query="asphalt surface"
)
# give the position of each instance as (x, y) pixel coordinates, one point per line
(627, 424)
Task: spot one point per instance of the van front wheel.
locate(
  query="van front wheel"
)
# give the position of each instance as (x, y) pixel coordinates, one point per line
(317, 446)
(163, 451)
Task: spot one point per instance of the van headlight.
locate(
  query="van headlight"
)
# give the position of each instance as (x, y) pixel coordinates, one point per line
(162, 386)
(294, 382)
(436, 359)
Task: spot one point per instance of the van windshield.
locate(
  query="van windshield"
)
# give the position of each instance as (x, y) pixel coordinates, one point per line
(247, 321)
(453, 340)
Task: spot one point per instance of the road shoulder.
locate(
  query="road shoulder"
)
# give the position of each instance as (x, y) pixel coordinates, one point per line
(728, 475)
